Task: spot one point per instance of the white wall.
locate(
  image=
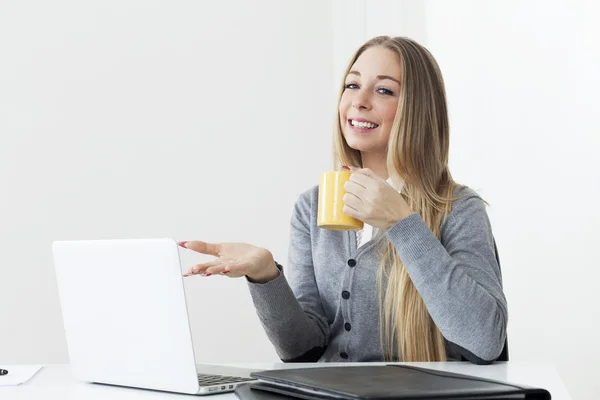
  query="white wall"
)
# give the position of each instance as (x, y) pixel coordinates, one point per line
(205, 120)
(522, 82)
(137, 118)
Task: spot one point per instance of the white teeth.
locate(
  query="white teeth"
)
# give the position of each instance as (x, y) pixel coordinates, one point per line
(363, 124)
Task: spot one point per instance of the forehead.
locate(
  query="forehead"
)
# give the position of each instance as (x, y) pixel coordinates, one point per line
(378, 61)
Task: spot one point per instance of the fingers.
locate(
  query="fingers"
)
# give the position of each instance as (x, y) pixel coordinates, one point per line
(201, 268)
(202, 247)
(218, 267)
(361, 179)
(235, 270)
(365, 172)
(355, 189)
(352, 200)
(351, 212)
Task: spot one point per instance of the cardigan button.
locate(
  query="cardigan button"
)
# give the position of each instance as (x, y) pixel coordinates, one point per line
(344, 355)
(351, 262)
(345, 295)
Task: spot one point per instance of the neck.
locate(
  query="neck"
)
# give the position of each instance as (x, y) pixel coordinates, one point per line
(376, 162)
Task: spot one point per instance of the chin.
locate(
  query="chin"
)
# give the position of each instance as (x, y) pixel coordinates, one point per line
(365, 145)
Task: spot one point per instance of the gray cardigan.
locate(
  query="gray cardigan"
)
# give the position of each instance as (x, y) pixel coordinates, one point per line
(325, 306)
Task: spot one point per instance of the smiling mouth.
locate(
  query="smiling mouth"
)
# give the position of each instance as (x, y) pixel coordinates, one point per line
(362, 125)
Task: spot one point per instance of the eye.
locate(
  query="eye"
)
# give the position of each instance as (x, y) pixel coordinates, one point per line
(351, 86)
(385, 91)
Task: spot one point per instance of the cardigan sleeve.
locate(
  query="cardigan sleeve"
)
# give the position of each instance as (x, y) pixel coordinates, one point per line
(458, 277)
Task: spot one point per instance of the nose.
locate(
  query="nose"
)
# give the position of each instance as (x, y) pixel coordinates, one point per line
(361, 101)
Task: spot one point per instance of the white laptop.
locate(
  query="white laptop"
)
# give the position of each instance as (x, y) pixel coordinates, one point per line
(126, 320)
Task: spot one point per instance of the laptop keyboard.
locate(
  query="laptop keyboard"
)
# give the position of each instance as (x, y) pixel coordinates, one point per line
(212, 380)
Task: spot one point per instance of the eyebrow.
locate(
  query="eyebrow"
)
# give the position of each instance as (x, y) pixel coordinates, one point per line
(380, 77)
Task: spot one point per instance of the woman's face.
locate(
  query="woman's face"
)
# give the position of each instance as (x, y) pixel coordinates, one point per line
(369, 101)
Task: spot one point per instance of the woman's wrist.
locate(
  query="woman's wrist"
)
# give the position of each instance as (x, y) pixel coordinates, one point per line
(266, 273)
(401, 214)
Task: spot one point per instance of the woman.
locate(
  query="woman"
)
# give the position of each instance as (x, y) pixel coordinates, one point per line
(421, 281)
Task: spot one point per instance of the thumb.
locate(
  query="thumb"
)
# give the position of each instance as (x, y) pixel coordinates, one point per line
(202, 247)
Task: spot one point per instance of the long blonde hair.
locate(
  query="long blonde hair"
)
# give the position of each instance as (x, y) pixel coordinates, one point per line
(417, 155)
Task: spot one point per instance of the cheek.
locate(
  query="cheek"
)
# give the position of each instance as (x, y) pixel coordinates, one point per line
(343, 107)
(390, 113)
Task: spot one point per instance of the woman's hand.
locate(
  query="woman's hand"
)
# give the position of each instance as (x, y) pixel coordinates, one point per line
(371, 199)
(234, 260)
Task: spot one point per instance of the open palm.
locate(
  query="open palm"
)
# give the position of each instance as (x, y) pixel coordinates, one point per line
(233, 259)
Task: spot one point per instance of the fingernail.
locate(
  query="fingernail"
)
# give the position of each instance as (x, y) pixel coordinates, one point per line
(225, 272)
(346, 167)
(182, 244)
(206, 274)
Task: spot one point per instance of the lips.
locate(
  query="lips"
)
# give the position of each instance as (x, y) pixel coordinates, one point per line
(362, 126)
(362, 123)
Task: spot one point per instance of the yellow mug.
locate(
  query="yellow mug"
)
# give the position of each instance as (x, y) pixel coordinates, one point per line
(330, 213)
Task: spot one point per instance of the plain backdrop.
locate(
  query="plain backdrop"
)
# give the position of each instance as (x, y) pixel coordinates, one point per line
(187, 119)
(522, 83)
(206, 119)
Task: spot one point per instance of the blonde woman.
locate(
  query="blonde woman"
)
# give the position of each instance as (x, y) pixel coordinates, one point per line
(421, 281)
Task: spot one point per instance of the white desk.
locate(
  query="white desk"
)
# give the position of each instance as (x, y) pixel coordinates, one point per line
(55, 382)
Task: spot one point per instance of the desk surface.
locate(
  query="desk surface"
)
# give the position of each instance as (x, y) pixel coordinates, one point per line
(55, 382)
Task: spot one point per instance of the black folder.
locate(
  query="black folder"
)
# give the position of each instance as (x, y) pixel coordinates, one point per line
(381, 382)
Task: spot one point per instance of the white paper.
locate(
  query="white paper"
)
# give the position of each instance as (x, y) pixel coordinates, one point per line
(18, 374)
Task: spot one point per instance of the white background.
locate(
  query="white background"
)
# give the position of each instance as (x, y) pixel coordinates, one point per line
(522, 82)
(206, 120)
